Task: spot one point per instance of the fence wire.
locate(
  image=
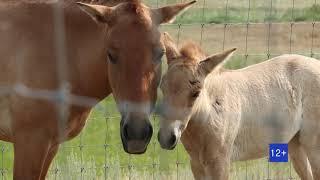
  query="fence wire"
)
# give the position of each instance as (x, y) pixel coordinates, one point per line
(102, 157)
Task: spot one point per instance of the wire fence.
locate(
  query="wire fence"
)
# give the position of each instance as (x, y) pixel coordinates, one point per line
(262, 29)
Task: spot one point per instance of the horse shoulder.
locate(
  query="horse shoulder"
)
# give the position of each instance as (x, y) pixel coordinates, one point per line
(30, 57)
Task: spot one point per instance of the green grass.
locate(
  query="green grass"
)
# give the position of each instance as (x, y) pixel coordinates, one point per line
(256, 15)
(240, 61)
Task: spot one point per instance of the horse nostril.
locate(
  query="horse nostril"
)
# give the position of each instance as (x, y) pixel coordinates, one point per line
(159, 136)
(172, 139)
(148, 131)
(125, 131)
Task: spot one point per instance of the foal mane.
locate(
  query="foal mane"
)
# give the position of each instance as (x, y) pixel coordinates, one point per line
(192, 52)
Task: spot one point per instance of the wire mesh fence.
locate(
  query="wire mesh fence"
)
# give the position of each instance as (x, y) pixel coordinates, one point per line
(260, 29)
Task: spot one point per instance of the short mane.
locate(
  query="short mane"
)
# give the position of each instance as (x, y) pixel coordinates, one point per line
(192, 52)
(105, 2)
(69, 2)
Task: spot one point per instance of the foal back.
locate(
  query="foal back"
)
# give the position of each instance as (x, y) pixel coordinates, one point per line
(275, 98)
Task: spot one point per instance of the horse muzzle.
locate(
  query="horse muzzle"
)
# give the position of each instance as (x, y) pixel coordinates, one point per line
(135, 135)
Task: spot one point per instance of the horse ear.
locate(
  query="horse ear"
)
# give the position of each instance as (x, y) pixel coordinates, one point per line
(98, 13)
(167, 14)
(214, 62)
(172, 51)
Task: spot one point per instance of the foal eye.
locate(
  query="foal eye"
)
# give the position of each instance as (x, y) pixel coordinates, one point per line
(195, 94)
(194, 82)
(159, 55)
(111, 58)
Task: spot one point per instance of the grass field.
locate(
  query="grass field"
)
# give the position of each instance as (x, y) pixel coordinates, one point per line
(243, 11)
(97, 152)
(241, 15)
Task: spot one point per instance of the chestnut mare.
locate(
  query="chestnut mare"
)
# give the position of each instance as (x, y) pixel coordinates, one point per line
(57, 63)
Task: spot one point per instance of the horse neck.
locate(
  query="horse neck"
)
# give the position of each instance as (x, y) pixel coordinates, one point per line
(91, 60)
(195, 131)
(84, 50)
(213, 90)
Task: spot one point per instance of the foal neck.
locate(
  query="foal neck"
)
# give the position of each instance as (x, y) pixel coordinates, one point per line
(207, 118)
(199, 120)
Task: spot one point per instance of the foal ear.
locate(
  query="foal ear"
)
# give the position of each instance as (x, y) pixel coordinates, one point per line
(215, 61)
(167, 14)
(98, 13)
(172, 51)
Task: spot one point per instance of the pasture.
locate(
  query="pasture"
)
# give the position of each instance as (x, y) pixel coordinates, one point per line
(261, 31)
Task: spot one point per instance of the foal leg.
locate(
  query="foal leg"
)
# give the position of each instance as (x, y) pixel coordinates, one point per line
(314, 158)
(51, 154)
(197, 169)
(299, 159)
(217, 168)
(310, 136)
(30, 151)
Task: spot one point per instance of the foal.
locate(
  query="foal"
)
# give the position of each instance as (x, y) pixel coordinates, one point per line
(233, 115)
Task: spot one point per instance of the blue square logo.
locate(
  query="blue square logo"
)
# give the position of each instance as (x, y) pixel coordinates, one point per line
(278, 152)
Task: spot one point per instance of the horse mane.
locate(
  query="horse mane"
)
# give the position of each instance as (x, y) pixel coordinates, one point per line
(192, 51)
(69, 2)
(134, 6)
(103, 2)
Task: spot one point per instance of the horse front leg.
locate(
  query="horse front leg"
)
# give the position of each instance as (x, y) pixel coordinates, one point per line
(51, 154)
(30, 152)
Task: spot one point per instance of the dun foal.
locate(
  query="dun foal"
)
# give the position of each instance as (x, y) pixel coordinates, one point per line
(232, 115)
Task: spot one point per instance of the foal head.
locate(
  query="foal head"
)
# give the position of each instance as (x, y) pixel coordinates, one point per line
(134, 52)
(181, 86)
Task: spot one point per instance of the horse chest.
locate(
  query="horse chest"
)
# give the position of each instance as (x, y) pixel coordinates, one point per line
(76, 123)
(5, 118)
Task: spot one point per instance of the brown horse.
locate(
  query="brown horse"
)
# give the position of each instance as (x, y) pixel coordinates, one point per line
(57, 63)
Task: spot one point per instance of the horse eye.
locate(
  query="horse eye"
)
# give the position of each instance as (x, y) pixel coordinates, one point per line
(111, 58)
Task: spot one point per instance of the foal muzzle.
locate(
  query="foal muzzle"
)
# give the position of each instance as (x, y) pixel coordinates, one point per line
(168, 142)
